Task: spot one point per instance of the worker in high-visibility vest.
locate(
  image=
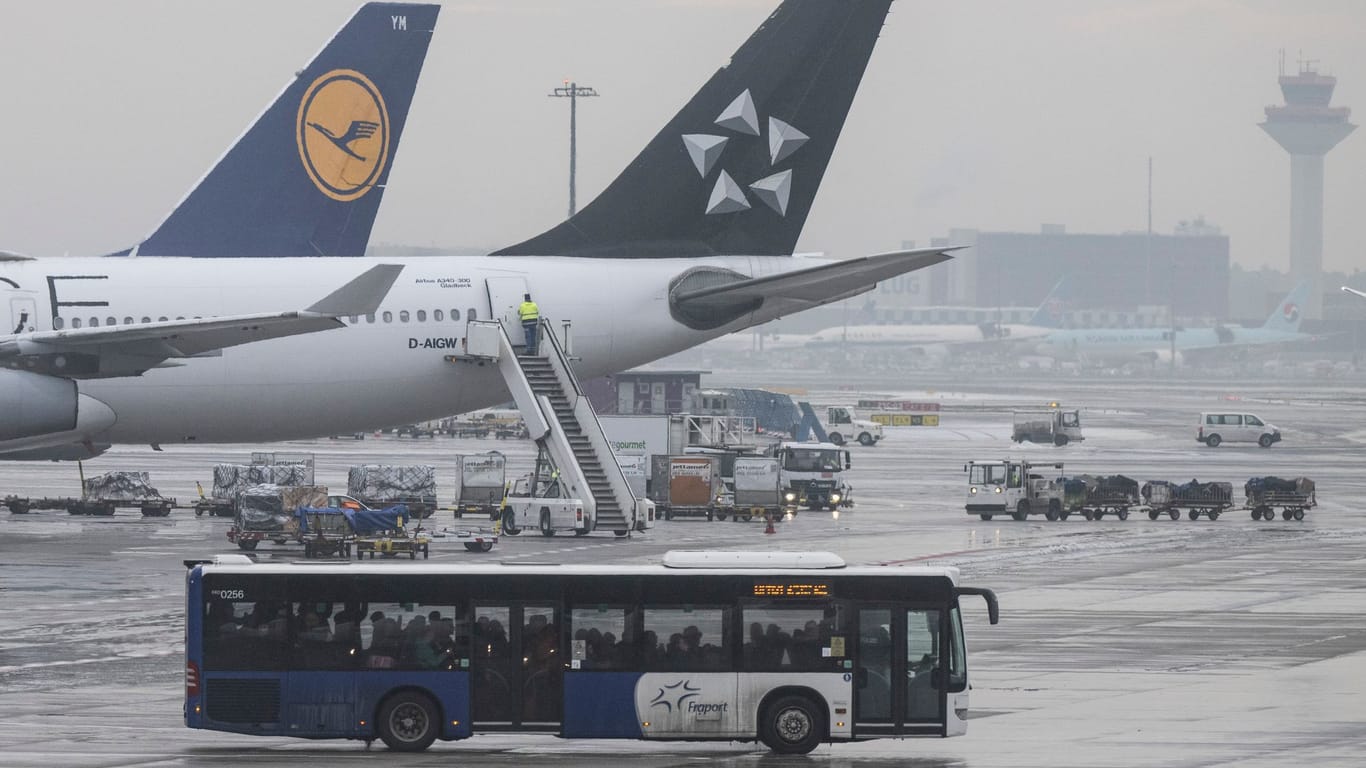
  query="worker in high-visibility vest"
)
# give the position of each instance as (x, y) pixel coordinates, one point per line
(530, 315)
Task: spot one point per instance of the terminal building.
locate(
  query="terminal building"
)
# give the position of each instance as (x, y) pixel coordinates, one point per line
(1122, 280)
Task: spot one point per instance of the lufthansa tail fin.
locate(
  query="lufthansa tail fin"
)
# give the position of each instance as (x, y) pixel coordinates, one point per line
(307, 177)
(736, 170)
(1050, 312)
(1286, 316)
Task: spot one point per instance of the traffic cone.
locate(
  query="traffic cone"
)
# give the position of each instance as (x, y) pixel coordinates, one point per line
(770, 528)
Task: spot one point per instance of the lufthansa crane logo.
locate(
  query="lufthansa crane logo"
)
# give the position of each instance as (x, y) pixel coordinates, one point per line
(343, 134)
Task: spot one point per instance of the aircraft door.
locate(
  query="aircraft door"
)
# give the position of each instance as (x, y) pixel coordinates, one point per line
(505, 295)
(23, 313)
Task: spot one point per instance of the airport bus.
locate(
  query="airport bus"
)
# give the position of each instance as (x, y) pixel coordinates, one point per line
(791, 649)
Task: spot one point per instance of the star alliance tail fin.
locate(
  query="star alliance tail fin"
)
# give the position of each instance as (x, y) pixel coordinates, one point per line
(736, 170)
(307, 177)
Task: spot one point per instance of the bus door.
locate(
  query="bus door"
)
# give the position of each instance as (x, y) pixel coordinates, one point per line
(899, 682)
(516, 670)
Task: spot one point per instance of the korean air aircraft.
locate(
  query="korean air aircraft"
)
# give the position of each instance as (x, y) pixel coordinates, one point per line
(249, 314)
(1155, 344)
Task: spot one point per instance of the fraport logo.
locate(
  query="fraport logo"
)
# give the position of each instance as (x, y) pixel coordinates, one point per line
(1291, 311)
(343, 134)
(679, 696)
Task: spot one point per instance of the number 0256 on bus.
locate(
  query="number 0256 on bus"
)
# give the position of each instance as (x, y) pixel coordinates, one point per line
(792, 649)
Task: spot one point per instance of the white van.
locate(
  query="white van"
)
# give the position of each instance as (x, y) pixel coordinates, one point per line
(1216, 428)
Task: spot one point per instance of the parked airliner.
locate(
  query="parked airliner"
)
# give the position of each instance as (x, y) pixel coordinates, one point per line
(184, 336)
(1121, 345)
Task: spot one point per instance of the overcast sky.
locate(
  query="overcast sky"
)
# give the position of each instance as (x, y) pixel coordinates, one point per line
(974, 113)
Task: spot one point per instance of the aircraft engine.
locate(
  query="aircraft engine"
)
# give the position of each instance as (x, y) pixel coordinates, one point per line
(33, 404)
(1164, 357)
(1224, 334)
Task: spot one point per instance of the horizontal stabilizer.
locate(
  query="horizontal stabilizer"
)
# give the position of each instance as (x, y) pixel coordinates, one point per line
(362, 295)
(822, 284)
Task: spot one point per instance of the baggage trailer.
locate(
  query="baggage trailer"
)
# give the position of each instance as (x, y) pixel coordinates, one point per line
(385, 532)
(382, 485)
(267, 513)
(1095, 497)
(1265, 494)
(1195, 498)
(481, 483)
(100, 496)
(325, 531)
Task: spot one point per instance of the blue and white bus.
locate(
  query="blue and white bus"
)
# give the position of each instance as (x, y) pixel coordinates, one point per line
(792, 649)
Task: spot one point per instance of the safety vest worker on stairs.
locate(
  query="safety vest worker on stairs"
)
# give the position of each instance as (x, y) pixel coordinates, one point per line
(530, 315)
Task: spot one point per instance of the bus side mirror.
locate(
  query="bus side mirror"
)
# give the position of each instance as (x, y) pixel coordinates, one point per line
(993, 608)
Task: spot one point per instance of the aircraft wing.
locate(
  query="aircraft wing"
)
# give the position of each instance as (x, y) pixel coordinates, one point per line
(823, 284)
(129, 350)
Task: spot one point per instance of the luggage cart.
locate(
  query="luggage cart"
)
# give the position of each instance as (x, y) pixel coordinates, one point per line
(1264, 495)
(1208, 499)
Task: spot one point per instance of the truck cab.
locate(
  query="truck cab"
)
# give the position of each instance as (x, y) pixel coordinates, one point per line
(812, 475)
(1015, 487)
(842, 425)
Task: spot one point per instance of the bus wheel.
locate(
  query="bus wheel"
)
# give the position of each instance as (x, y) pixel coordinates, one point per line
(408, 722)
(792, 725)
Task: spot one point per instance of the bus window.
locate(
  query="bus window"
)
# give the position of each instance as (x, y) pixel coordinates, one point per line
(958, 653)
(601, 638)
(791, 639)
(875, 662)
(922, 663)
(245, 635)
(686, 638)
(413, 636)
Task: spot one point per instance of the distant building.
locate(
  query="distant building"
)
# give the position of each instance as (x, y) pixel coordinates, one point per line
(1130, 276)
(644, 392)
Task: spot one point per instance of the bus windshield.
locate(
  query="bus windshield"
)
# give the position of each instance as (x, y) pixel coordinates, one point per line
(711, 652)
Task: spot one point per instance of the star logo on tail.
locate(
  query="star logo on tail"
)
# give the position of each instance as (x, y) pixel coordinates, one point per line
(360, 129)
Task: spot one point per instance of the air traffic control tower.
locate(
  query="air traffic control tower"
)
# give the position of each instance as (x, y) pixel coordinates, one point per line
(1306, 127)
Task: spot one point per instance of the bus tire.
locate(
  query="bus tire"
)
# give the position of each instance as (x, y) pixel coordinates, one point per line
(792, 725)
(408, 721)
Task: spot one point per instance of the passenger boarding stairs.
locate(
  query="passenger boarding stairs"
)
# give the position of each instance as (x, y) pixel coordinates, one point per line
(562, 422)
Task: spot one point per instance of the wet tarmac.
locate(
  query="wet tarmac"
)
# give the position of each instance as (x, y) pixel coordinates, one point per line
(1138, 642)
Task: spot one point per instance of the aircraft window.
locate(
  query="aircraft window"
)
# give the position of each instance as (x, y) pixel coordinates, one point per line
(146, 319)
(57, 323)
(370, 318)
(470, 315)
(422, 315)
(455, 314)
(179, 317)
(387, 317)
(111, 321)
(94, 322)
(75, 322)
(127, 321)
(403, 316)
(437, 315)
(161, 319)
(353, 319)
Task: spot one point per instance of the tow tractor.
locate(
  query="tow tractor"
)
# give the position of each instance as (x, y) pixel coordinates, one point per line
(1015, 487)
